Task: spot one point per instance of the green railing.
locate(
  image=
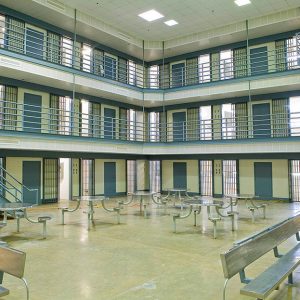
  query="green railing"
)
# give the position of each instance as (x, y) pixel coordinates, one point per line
(16, 116)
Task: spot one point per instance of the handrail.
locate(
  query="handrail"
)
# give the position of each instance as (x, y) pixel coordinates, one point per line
(9, 192)
(3, 178)
(42, 119)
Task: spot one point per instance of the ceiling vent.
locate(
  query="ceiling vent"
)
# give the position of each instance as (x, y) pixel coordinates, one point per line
(124, 36)
(56, 5)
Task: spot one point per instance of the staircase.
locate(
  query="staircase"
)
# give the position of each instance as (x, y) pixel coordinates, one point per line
(11, 189)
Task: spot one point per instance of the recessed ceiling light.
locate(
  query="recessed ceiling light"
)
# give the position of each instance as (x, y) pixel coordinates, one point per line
(151, 15)
(242, 2)
(171, 23)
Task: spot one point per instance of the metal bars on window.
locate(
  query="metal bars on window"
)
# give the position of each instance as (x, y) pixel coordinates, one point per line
(155, 177)
(131, 176)
(229, 168)
(206, 177)
(50, 187)
(87, 181)
(295, 180)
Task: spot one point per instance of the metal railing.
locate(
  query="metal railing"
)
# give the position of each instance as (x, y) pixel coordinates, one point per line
(16, 116)
(12, 190)
(44, 45)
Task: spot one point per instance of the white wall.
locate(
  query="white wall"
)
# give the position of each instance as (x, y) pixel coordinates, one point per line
(65, 180)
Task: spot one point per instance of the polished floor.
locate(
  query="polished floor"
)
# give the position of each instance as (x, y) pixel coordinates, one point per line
(138, 259)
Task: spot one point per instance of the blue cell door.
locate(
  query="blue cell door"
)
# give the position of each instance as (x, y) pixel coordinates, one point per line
(34, 43)
(179, 175)
(263, 179)
(32, 113)
(179, 126)
(109, 123)
(178, 75)
(261, 120)
(110, 67)
(32, 180)
(109, 178)
(259, 60)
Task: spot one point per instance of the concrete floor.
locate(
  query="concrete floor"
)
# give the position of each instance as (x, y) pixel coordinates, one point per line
(138, 259)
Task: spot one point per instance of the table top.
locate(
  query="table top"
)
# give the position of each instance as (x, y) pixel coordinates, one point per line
(204, 202)
(15, 206)
(90, 198)
(143, 193)
(176, 190)
(241, 196)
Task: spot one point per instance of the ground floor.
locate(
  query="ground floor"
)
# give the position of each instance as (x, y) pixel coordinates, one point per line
(141, 258)
(51, 179)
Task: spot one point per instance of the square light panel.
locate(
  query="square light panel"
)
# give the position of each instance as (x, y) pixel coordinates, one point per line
(171, 22)
(242, 2)
(151, 15)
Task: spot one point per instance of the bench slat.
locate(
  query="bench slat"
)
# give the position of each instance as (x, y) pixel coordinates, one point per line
(267, 281)
(239, 257)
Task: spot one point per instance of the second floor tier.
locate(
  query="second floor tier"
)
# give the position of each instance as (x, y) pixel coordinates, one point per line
(35, 118)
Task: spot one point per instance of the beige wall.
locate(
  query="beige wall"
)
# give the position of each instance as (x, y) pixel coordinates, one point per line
(14, 166)
(192, 174)
(120, 173)
(279, 177)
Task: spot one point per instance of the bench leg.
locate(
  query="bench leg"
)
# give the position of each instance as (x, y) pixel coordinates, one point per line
(145, 211)
(264, 211)
(174, 225)
(63, 217)
(195, 218)
(18, 223)
(118, 216)
(215, 229)
(253, 217)
(44, 230)
(290, 279)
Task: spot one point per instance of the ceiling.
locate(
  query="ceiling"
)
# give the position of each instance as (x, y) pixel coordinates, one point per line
(192, 15)
(202, 23)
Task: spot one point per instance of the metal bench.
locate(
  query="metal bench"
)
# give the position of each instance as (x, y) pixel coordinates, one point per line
(40, 220)
(252, 248)
(12, 262)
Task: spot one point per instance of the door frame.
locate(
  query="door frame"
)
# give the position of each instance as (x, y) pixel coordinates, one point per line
(250, 113)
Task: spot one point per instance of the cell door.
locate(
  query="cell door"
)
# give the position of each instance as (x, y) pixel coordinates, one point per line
(179, 126)
(32, 180)
(109, 178)
(34, 43)
(178, 74)
(109, 123)
(263, 179)
(261, 120)
(32, 113)
(259, 60)
(110, 67)
(179, 175)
